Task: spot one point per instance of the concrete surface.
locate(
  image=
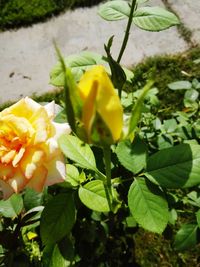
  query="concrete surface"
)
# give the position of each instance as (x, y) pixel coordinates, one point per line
(27, 55)
(189, 13)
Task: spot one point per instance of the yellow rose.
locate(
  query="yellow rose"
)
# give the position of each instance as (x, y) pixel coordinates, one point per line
(29, 153)
(102, 113)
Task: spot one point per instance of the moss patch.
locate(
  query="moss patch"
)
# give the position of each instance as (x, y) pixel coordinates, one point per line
(167, 69)
(16, 13)
(153, 250)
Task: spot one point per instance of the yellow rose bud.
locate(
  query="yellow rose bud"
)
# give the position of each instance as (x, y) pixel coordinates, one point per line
(29, 153)
(102, 112)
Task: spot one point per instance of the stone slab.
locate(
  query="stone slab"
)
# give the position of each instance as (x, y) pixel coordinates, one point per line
(27, 55)
(189, 13)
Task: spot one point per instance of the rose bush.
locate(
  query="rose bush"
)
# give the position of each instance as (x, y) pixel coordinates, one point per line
(29, 154)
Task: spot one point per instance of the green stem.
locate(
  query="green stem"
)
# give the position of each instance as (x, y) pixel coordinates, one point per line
(68, 104)
(107, 184)
(126, 36)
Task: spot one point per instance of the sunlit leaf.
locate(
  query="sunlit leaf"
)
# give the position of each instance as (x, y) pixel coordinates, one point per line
(93, 195)
(78, 151)
(180, 85)
(114, 10)
(154, 18)
(148, 206)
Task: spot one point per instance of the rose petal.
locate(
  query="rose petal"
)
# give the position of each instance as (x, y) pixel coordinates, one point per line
(18, 182)
(18, 157)
(8, 157)
(23, 108)
(42, 125)
(61, 128)
(7, 171)
(32, 159)
(38, 180)
(52, 148)
(50, 109)
(21, 127)
(56, 170)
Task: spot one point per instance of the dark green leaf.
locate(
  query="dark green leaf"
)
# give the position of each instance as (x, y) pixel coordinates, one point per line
(198, 217)
(32, 199)
(118, 75)
(175, 167)
(11, 207)
(186, 237)
(57, 259)
(132, 155)
(69, 253)
(57, 218)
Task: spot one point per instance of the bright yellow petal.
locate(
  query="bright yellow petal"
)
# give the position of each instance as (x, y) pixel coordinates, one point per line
(23, 108)
(89, 110)
(108, 105)
(106, 101)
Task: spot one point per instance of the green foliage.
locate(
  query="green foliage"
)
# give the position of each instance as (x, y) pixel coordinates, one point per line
(57, 259)
(146, 18)
(77, 63)
(186, 237)
(114, 10)
(165, 70)
(57, 218)
(15, 13)
(175, 167)
(132, 155)
(78, 151)
(149, 178)
(12, 206)
(93, 195)
(137, 108)
(148, 206)
(154, 18)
